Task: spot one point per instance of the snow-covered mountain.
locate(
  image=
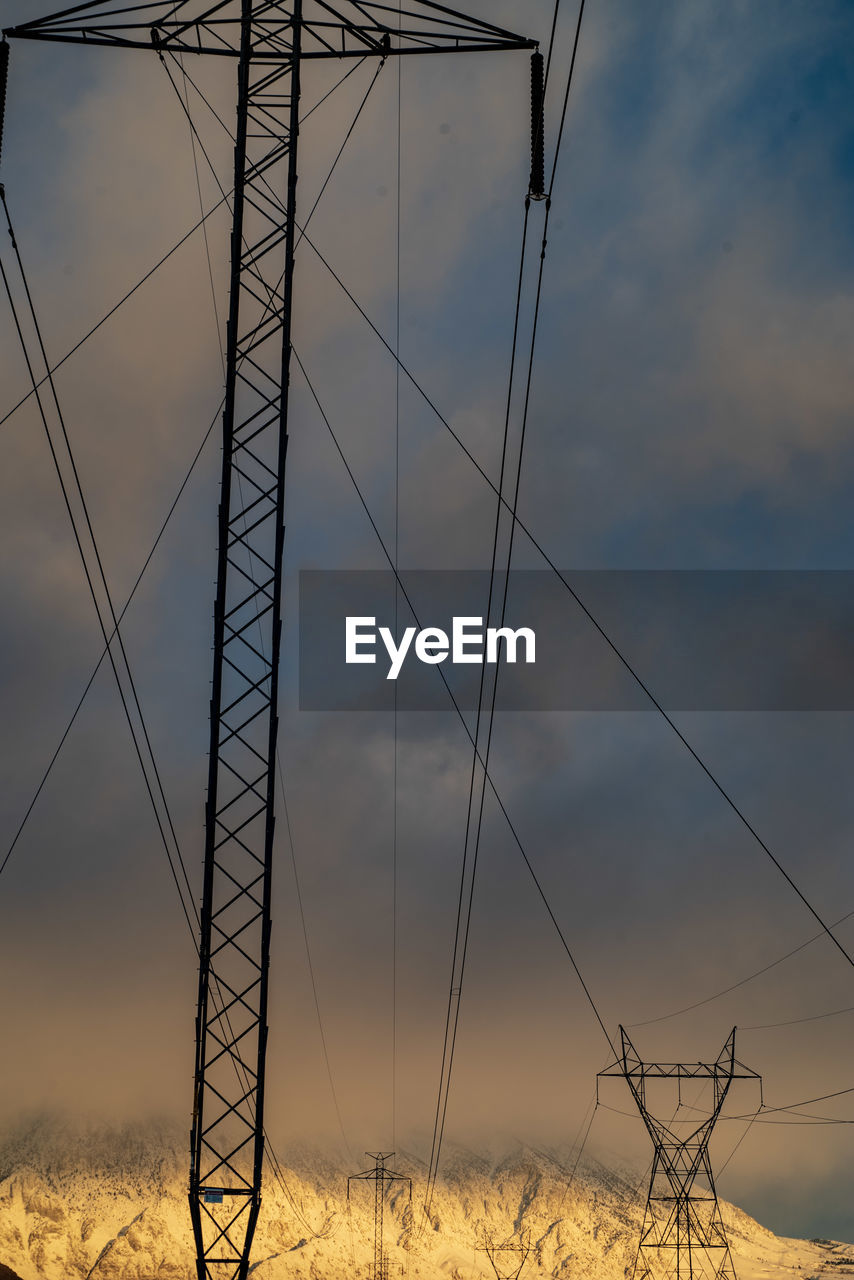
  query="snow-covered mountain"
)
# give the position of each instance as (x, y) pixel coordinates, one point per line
(110, 1204)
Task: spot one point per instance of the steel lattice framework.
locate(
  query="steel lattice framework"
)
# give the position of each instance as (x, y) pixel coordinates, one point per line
(683, 1233)
(382, 1178)
(269, 39)
(508, 1256)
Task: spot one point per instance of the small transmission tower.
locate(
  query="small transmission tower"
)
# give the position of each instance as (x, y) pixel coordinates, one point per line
(381, 1177)
(683, 1236)
(508, 1256)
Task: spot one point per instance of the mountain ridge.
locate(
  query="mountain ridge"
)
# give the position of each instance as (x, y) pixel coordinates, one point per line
(90, 1201)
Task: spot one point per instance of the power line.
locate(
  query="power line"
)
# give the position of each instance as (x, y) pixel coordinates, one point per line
(458, 973)
(394, 852)
(805, 1102)
(793, 1108)
(204, 226)
(463, 921)
(303, 118)
(104, 651)
(612, 645)
(566, 94)
(794, 1022)
(175, 247)
(514, 833)
(98, 561)
(513, 509)
(743, 981)
(112, 311)
(304, 926)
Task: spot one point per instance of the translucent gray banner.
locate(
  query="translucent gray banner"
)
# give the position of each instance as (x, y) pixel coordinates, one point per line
(774, 640)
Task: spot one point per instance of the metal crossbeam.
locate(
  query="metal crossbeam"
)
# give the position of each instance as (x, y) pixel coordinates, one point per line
(508, 1256)
(270, 40)
(350, 29)
(683, 1235)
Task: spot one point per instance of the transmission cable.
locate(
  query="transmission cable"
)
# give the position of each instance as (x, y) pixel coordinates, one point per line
(114, 308)
(303, 118)
(275, 199)
(792, 1109)
(274, 195)
(456, 988)
(316, 999)
(794, 1022)
(88, 574)
(394, 851)
(467, 878)
(747, 1129)
(598, 627)
(103, 654)
(576, 1147)
(759, 972)
(454, 702)
(217, 324)
(805, 1102)
(166, 256)
(563, 113)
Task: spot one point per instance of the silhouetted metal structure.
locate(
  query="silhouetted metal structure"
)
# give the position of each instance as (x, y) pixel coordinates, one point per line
(507, 1256)
(683, 1233)
(381, 1177)
(268, 41)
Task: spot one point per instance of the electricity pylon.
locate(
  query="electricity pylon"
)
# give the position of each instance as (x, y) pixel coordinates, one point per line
(381, 1178)
(508, 1256)
(268, 41)
(683, 1233)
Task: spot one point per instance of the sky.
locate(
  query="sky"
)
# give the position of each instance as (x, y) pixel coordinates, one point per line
(691, 408)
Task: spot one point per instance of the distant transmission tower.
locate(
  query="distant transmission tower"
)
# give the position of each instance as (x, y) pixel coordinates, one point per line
(683, 1234)
(508, 1256)
(269, 44)
(381, 1178)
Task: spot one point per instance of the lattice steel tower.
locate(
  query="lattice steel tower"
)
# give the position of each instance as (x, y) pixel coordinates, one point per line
(507, 1256)
(382, 1178)
(683, 1233)
(268, 41)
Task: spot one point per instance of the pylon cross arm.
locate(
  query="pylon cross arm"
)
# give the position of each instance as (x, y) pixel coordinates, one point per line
(352, 30)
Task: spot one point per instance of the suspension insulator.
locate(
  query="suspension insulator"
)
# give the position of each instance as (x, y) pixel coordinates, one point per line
(538, 179)
(4, 78)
